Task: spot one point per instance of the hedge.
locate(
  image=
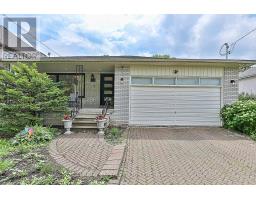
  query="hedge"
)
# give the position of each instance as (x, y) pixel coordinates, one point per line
(240, 116)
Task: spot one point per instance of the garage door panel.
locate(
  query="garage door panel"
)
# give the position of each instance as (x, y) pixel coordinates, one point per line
(197, 123)
(202, 106)
(148, 111)
(193, 106)
(155, 123)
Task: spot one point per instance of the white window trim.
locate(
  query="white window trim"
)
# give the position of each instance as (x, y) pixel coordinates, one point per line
(175, 81)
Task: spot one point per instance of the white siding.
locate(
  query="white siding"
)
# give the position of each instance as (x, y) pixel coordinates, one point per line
(202, 71)
(248, 85)
(183, 106)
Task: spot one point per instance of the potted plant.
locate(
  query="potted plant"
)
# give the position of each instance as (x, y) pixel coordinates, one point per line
(67, 124)
(101, 120)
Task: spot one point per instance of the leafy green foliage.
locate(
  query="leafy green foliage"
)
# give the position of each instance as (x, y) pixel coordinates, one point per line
(5, 147)
(114, 135)
(5, 164)
(45, 168)
(102, 181)
(241, 116)
(39, 135)
(244, 97)
(66, 178)
(25, 94)
(42, 180)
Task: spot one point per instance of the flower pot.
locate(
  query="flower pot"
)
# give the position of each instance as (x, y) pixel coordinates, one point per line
(101, 126)
(67, 126)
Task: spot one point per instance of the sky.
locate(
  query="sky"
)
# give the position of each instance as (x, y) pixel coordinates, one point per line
(180, 36)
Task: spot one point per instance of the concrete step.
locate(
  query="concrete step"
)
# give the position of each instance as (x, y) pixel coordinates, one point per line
(96, 112)
(84, 121)
(80, 116)
(84, 124)
(84, 127)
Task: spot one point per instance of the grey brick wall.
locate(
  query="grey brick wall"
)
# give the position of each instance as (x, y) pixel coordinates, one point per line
(230, 91)
(121, 95)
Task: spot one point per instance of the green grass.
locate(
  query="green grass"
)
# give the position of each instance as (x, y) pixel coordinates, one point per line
(5, 165)
(45, 168)
(5, 148)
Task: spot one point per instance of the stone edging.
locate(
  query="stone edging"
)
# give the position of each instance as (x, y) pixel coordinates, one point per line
(113, 163)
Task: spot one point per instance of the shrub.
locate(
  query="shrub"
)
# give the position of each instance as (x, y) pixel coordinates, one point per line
(245, 96)
(34, 135)
(25, 94)
(241, 116)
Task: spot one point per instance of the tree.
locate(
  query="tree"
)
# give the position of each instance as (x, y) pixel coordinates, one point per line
(25, 94)
(161, 56)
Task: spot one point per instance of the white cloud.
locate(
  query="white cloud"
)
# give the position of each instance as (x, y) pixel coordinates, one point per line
(188, 36)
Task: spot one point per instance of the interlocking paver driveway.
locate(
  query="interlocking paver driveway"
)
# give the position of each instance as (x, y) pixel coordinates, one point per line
(83, 153)
(188, 156)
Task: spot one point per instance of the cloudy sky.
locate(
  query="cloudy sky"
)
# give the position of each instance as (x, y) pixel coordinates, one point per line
(181, 36)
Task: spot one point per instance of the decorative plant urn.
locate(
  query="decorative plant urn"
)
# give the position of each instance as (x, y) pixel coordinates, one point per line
(101, 126)
(67, 126)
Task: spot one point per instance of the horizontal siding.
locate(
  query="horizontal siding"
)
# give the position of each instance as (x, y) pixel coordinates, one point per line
(175, 106)
(202, 71)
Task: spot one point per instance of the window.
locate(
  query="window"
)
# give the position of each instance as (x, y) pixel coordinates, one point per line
(164, 81)
(187, 81)
(210, 81)
(141, 80)
(71, 82)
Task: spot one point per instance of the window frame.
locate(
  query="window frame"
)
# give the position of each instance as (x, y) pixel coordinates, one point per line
(175, 81)
(148, 77)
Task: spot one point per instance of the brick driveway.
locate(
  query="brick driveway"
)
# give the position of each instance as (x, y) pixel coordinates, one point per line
(188, 156)
(83, 153)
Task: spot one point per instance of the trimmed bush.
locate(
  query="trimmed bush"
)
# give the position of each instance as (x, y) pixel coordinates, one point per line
(26, 94)
(241, 116)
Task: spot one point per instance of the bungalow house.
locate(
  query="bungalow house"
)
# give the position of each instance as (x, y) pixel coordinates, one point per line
(145, 91)
(247, 81)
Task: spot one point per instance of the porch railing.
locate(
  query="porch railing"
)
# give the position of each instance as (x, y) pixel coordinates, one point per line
(75, 106)
(106, 106)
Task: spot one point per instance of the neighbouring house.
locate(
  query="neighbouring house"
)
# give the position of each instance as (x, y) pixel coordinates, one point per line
(10, 49)
(147, 91)
(247, 81)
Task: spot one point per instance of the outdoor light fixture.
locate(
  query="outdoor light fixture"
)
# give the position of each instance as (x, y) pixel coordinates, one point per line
(232, 82)
(175, 71)
(93, 78)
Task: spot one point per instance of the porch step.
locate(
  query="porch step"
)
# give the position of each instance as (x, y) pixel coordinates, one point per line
(84, 121)
(90, 111)
(86, 116)
(84, 127)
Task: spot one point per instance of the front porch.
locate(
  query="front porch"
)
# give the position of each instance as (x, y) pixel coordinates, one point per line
(88, 86)
(91, 83)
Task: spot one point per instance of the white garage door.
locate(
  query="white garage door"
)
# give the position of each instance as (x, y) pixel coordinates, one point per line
(182, 106)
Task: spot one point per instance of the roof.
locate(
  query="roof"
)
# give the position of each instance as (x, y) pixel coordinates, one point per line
(140, 59)
(251, 72)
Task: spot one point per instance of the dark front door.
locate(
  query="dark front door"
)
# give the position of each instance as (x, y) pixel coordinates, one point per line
(107, 88)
